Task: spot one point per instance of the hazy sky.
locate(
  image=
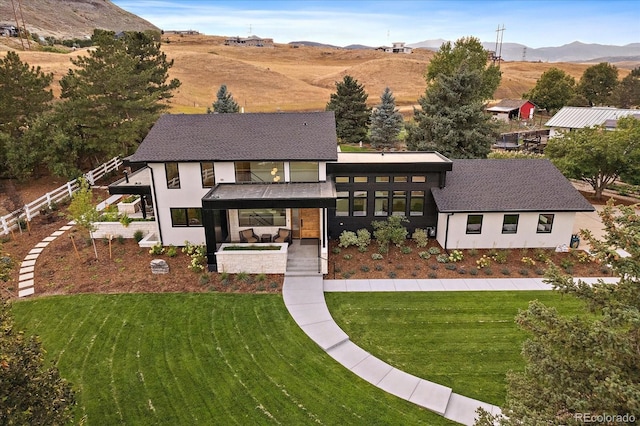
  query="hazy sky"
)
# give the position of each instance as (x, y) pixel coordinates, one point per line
(534, 23)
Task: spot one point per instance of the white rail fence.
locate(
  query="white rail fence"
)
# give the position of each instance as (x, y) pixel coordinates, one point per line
(31, 210)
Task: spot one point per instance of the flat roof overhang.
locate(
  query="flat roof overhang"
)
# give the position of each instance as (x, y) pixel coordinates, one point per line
(139, 183)
(271, 195)
(386, 162)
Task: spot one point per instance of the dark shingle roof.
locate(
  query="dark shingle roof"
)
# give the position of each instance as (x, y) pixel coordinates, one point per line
(231, 137)
(507, 185)
(510, 103)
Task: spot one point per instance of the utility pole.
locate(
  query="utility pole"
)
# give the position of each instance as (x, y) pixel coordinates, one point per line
(15, 14)
(498, 51)
(24, 26)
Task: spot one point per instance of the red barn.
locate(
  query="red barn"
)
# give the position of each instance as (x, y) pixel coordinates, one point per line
(509, 109)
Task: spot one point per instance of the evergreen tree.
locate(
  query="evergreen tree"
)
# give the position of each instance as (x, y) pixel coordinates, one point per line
(597, 83)
(386, 121)
(587, 364)
(224, 102)
(553, 90)
(452, 119)
(110, 101)
(30, 393)
(627, 93)
(24, 95)
(350, 106)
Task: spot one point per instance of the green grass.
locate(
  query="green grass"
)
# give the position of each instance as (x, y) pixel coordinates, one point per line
(189, 359)
(465, 340)
(354, 148)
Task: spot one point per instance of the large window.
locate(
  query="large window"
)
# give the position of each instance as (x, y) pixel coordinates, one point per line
(173, 175)
(474, 224)
(342, 203)
(381, 207)
(303, 171)
(259, 171)
(262, 217)
(545, 223)
(360, 203)
(510, 223)
(417, 203)
(206, 170)
(186, 217)
(399, 203)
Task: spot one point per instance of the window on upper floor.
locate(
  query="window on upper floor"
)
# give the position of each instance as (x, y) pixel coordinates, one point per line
(206, 171)
(173, 175)
(259, 171)
(303, 171)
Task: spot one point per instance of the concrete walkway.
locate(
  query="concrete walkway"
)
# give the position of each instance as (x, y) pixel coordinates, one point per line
(304, 298)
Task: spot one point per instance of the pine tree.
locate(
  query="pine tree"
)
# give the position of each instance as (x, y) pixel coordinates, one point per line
(386, 121)
(350, 106)
(224, 102)
(110, 101)
(452, 120)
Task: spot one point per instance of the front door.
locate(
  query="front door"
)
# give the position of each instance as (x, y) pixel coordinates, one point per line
(309, 223)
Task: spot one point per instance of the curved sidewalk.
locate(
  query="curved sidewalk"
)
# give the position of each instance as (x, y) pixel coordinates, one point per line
(304, 298)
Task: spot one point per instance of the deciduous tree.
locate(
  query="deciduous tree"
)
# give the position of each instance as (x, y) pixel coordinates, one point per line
(224, 102)
(30, 393)
(597, 83)
(584, 366)
(349, 103)
(596, 155)
(386, 121)
(553, 90)
(627, 92)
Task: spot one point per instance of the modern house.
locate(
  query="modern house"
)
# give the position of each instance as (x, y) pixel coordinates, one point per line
(571, 118)
(513, 109)
(252, 41)
(218, 178)
(397, 47)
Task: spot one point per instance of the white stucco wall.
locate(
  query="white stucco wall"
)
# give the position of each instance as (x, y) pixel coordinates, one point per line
(224, 172)
(187, 196)
(492, 236)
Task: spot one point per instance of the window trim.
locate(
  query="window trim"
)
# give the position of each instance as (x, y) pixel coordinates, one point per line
(166, 174)
(186, 215)
(544, 231)
(504, 218)
(474, 231)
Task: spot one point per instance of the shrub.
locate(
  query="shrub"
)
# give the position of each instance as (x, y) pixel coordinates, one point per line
(348, 238)
(488, 271)
(120, 239)
(524, 272)
(434, 250)
(406, 250)
(383, 249)
(364, 268)
(424, 255)
(363, 249)
(420, 237)
(156, 249)
(392, 274)
(376, 256)
(450, 266)
(528, 261)
(197, 254)
(172, 251)
(483, 262)
(505, 271)
(125, 220)
(434, 266)
(261, 277)
(566, 264)
(260, 287)
(581, 256)
(138, 236)
(242, 276)
(379, 267)
(462, 271)
(501, 256)
(541, 255)
(336, 250)
(456, 256)
(442, 258)
(346, 275)
(363, 239)
(399, 267)
(473, 252)
(539, 271)
(432, 275)
(390, 231)
(273, 284)
(224, 277)
(337, 269)
(347, 256)
(203, 279)
(473, 272)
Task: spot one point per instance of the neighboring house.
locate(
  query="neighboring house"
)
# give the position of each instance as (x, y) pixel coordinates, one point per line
(513, 109)
(253, 41)
(398, 47)
(211, 176)
(571, 118)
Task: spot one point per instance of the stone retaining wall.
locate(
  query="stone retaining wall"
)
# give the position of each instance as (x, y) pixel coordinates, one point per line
(252, 261)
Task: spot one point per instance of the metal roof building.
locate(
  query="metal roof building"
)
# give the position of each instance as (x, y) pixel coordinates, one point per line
(580, 117)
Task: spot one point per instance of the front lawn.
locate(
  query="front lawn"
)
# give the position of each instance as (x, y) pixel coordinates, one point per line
(464, 340)
(179, 359)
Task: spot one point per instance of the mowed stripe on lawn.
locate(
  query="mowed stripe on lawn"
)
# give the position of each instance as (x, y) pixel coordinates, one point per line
(465, 340)
(201, 359)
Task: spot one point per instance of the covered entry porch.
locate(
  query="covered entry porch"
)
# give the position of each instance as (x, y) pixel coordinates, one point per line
(231, 212)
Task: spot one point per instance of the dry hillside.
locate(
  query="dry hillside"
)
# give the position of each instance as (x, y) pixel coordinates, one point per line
(68, 19)
(292, 79)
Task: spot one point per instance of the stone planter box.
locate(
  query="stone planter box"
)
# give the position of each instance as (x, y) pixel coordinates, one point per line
(129, 208)
(252, 261)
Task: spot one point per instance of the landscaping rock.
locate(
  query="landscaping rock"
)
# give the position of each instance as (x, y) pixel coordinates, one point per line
(159, 266)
